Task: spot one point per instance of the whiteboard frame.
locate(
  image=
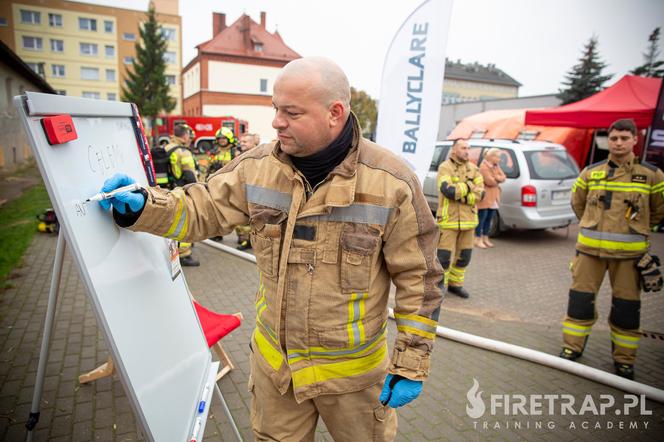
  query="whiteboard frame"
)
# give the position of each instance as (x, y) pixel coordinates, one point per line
(33, 105)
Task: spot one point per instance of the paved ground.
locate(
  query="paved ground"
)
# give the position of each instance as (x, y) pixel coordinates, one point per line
(519, 292)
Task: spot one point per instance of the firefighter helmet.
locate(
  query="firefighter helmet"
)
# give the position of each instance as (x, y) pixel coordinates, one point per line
(225, 132)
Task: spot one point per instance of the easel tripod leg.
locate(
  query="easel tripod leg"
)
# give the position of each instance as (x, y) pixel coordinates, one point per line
(228, 413)
(46, 338)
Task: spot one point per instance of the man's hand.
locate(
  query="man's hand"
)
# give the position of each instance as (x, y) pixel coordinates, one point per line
(398, 391)
(133, 200)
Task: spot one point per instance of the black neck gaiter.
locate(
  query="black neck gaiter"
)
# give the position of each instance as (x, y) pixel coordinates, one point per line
(318, 166)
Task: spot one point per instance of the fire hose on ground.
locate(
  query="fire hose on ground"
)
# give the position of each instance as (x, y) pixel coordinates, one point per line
(538, 357)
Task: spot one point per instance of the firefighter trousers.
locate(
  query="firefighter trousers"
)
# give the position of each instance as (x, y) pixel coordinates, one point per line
(356, 416)
(455, 248)
(587, 275)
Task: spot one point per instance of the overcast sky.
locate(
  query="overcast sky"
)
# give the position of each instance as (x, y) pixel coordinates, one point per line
(534, 41)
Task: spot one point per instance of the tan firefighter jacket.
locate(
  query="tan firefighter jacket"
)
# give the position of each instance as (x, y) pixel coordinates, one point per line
(460, 188)
(182, 161)
(617, 206)
(325, 261)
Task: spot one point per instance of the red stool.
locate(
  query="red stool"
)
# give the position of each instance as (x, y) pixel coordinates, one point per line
(215, 326)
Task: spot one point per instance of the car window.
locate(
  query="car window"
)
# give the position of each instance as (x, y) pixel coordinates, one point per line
(551, 165)
(439, 153)
(508, 162)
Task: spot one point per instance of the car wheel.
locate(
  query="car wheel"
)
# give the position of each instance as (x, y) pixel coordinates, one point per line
(204, 146)
(494, 229)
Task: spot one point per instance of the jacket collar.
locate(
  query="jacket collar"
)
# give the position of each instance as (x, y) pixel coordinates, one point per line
(340, 187)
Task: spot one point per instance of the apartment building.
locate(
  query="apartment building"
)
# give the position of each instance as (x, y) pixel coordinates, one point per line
(475, 82)
(84, 50)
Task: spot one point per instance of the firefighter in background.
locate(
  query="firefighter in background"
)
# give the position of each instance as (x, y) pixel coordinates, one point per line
(617, 201)
(223, 151)
(461, 187)
(247, 142)
(183, 171)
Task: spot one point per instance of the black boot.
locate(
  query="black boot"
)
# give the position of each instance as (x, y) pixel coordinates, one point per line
(624, 370)
(244, 245)
(569, 354)
(189, 261)
(217, 238)
(459, 291)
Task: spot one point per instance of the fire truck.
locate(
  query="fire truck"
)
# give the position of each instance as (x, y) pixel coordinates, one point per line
(204, 128)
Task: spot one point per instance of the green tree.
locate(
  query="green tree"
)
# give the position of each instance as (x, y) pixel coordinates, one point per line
(146, 81)
(365, 109)
(585, 78)
(652, 67)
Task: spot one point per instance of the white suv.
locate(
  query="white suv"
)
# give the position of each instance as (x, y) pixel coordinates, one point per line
(536, 194)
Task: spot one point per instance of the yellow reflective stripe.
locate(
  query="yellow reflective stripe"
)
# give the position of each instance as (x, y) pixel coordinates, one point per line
(179, 227)
(416, 331)
(581, 183)
(338, 370)
(188, 161)
(464, 189)
(597, 175)
(576, 330)
(175, 167)
(612, 245)
(443, 178)
(446, 206)
(658, 187)
(611, 188)
(355, 317)
(471, 199)
(625, 341)
(269, 353)
(479, 179)
(417, 318)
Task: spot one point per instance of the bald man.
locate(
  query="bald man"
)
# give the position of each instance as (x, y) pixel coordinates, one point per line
(334, 220)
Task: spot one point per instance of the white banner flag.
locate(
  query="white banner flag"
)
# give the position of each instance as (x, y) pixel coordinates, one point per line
(412, 85)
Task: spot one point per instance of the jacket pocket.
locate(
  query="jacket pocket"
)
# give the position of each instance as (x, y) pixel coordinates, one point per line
(266, 243)
(358, 244)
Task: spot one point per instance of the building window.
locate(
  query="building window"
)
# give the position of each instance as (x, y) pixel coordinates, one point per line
(110, 74)
(109, 50)
(89, 73)
(37, 67)
(128, 60)
(57, 45)
(30, 17)
(87, 24)
(32, 43)
(111, 96)
(61, 92)
(263, 85)
(170, 80)
(58, 70)
(169, 57)
(3, 22)
(55, 20)
(129, 36)
(89, 49)
(258, 47)
(88, 94)
(168, 34)
(108, 26)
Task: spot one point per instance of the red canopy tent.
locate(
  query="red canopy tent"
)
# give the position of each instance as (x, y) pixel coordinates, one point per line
(631, 97)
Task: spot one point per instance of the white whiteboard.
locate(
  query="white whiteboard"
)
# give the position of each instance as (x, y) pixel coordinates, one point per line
(147, 319)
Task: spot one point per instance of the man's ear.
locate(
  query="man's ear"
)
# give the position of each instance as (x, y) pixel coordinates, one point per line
(337, 111)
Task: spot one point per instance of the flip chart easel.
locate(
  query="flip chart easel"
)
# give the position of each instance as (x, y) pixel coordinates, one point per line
(145, 315)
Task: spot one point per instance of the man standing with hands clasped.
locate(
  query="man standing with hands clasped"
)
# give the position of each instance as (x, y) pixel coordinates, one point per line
(617, 202)
(334, 219)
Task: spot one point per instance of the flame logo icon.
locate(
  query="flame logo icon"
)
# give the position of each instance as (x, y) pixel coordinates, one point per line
(476, 408)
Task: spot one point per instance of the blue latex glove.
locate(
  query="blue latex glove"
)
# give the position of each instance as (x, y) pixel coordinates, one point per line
(398, 391)
(134, 200)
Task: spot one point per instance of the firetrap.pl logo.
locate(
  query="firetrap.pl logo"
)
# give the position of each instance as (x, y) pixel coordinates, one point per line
(550, 411)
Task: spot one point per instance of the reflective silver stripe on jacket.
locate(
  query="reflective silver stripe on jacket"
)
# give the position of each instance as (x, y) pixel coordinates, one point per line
(356, 213)
(619, 237)
(268, 197)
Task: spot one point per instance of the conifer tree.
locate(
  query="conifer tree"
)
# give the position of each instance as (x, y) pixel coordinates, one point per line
(585, 78)
(364, 107)
(146, 81)
(652, 67)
